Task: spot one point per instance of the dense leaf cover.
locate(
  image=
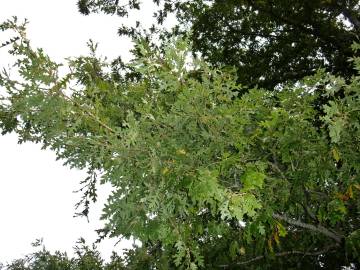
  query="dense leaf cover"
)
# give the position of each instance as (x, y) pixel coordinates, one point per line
(270, 42)
(85, 258)
(202, 176)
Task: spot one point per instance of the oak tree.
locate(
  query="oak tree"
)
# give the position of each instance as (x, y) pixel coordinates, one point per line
(202, 176)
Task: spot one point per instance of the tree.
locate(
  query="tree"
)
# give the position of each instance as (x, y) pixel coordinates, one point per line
(86, 258)
(202, 176)
(270, 42)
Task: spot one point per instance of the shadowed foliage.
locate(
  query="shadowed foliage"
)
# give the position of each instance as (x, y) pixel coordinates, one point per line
(269, 42)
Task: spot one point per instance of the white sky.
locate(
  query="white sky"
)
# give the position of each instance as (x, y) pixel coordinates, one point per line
(36, 192)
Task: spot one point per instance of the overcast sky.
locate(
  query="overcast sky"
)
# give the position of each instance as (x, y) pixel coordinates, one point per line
(36, 192)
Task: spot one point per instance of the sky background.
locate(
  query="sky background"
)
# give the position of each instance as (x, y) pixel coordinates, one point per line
(36, 191)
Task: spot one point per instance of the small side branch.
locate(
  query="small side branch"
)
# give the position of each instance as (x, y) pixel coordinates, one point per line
(56, 91)
(88, 113)
(318, 228)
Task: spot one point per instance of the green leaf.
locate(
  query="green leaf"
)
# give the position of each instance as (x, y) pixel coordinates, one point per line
(261, 229)
(253, 179)
(234, 249)
(241, 204)
(335, 130)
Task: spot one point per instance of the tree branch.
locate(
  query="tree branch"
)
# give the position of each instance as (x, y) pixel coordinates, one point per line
(348, 12)
(349, 15)
(87, 112)
(306, 205)
(318, 228)
(285, 253)
(313, 30)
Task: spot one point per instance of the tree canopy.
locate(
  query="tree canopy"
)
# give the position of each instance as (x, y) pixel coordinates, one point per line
(270, 42)
(204, 174)
(86, 258)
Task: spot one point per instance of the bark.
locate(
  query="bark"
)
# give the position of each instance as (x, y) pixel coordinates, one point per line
(318, 228)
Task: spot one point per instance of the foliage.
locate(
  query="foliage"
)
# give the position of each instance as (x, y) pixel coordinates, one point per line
(86, 258)
(270, 42)
(202, 176)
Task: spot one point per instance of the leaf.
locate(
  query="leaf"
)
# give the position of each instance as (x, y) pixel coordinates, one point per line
(206, 188)
(335, 130)
(261, 229)
(252, 180)
(281, 229)
(241, 204)
(337, 210)
(276, 237)
(234, 248)
(165, 171)
(180, 254)
(181, 152)
(193, 266)
(270, 246)
(224, 210)
(352, 244)
(336, 154)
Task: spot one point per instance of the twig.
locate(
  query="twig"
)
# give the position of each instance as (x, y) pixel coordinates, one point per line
(276, 167)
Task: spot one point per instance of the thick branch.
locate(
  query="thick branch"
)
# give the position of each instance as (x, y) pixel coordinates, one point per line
(285, 253)
(318, 228)
(349, 13)
(350, 16)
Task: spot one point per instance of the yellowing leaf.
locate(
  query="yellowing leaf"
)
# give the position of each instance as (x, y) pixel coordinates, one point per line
(336, 154)
(269, 242)
(165, 170)
(181, 152)
(276, 238)
(281, 229)
(343, 197)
